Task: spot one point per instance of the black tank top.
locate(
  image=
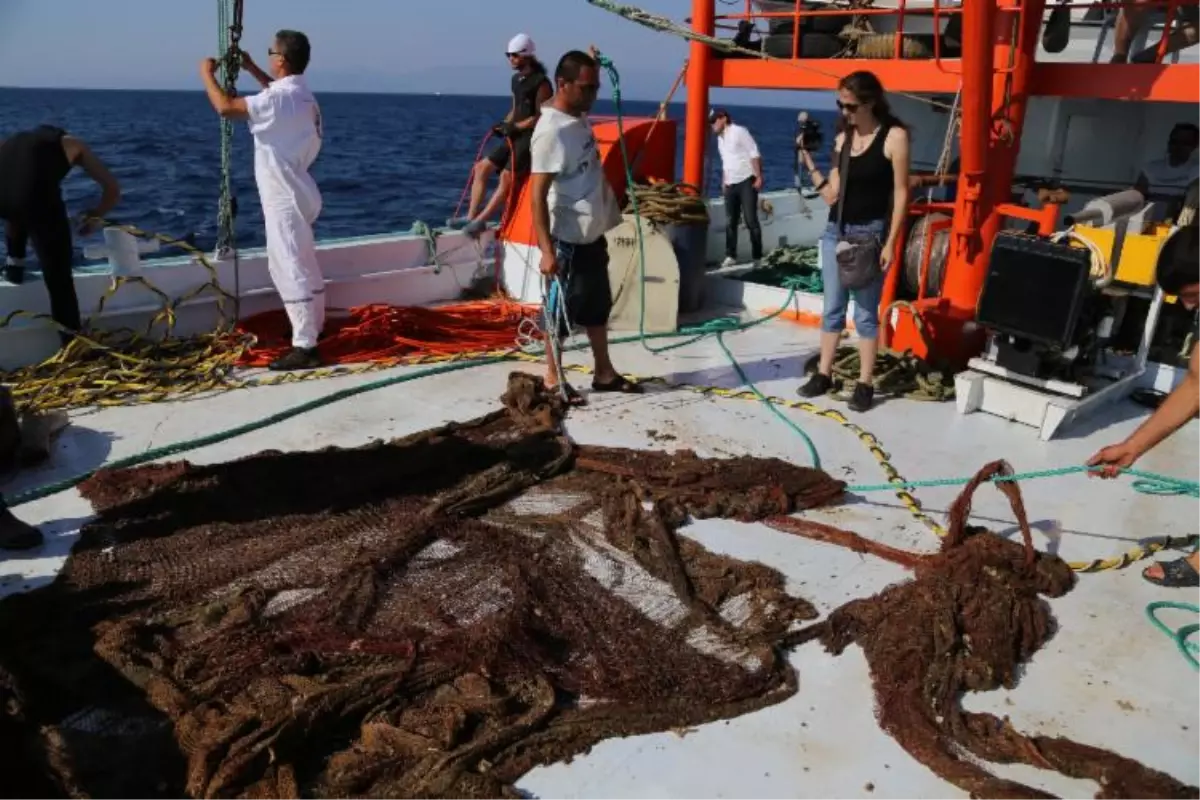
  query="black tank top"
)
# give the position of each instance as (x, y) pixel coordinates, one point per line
(524, 92)
(33, 165)
(870, 185)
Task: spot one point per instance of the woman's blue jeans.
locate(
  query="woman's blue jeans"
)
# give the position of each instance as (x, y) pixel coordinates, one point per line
(837, 298)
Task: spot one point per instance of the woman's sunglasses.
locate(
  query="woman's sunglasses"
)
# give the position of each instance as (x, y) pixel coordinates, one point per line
(848, 107)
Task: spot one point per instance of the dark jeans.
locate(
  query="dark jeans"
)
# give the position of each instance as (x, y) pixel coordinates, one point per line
(50, 230)
(742, 198)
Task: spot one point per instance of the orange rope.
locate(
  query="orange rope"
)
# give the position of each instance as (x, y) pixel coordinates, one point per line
(376, 333)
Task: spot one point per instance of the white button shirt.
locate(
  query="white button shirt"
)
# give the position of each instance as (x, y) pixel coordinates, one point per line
(737, 149)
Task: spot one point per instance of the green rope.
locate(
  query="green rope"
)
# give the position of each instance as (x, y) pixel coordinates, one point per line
(1181, 637)
(1148, 482)
(812, 448)
(793, 265)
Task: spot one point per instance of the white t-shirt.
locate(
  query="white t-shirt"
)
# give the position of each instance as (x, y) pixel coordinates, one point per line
(1166, 179)
(737, 148)
(582, 204)
(286, 123)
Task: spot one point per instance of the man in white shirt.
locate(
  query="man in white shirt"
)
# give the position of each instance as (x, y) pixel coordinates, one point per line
(573, 207)
(286, 123)
(1166, 179)
(741, 179)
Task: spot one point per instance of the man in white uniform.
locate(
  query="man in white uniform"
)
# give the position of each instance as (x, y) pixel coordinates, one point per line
(741, 178)
(1166, 179)
(286, 123)
(573, 207)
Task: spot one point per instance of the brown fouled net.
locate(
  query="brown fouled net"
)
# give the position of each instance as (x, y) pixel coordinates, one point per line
(972, 615)
(437, 615)
(428, 617)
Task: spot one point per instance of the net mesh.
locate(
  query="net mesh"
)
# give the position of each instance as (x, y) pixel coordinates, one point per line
(437, 615)
(428, 617)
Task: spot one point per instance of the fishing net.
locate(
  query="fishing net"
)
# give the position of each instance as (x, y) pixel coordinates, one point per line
(972, 615)
(437, 615)
(432, 616)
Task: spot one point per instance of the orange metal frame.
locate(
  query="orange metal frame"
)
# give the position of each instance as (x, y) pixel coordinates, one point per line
(651, 144)
(997, 73)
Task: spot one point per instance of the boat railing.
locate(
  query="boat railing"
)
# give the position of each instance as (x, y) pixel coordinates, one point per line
(906, 29)
(886, 37)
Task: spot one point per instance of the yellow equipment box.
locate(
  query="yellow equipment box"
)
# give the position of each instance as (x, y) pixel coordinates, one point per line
(1139, 254)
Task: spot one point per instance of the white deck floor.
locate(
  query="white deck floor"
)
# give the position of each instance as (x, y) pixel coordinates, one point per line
(1108, 678)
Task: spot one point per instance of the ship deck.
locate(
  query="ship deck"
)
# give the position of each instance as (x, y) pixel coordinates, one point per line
(1107, 678)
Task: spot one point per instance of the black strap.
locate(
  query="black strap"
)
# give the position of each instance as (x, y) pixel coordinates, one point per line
(843, 171)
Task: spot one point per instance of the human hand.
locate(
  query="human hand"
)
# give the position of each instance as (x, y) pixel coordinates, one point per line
(549, 264)
(885, 256)
(89, 224)
(758, 184)
(209, 66)
(1112, 459)
(247, 61)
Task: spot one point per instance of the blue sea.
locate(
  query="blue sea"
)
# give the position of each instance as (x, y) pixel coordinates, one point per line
(388, 160)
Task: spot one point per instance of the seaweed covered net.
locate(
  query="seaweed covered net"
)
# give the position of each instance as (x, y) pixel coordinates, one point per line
(971, 616)
(437, 615)
(427, 617)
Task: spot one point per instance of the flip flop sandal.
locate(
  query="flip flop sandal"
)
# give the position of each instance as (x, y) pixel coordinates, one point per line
(1177, 574)
(618, 384)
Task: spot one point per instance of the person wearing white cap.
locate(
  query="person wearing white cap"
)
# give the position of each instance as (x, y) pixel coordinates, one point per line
(530, 89)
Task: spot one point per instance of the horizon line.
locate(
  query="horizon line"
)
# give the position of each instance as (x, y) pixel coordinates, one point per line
(177, 90)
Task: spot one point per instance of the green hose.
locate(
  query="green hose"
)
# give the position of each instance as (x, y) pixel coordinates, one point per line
(1181, 637)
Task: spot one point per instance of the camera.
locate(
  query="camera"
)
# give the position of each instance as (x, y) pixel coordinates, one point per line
(808, 133)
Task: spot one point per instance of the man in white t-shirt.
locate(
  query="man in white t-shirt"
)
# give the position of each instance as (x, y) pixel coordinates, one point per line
(1166, 179)
(741, 179)
(286, 123)
(573, 207)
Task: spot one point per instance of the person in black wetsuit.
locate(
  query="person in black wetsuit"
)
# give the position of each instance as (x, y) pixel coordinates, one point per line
(32, 167)
(15, 534)
(530, 89)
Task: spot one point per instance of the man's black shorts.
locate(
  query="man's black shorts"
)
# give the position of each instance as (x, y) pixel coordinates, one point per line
(501, 153)
(583, 276)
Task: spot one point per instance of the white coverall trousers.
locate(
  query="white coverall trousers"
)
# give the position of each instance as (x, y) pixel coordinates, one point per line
(291, 204)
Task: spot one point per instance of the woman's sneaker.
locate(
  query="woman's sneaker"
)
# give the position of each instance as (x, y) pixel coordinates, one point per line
(863, 397)
(817, 385)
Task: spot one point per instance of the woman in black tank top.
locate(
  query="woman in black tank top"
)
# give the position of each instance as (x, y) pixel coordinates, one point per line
(873, 201)
(32, 166)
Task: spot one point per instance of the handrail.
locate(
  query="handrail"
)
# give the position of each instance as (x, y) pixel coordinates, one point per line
(938, 11)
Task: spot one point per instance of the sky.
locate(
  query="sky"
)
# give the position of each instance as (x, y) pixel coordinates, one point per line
(421, 46)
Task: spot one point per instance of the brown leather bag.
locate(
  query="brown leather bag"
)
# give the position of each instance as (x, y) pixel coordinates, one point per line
(857, 254)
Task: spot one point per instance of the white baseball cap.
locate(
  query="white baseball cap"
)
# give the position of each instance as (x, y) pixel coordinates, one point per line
(520, 45)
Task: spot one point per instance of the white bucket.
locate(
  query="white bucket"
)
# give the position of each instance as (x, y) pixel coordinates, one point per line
(123, 251)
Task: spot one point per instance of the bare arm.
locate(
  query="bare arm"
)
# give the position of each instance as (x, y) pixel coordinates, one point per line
(896, 148)
(828, 184)
(78, 153)
(540, 186)
(228, 107)
(1180, 406)
(264, 80)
